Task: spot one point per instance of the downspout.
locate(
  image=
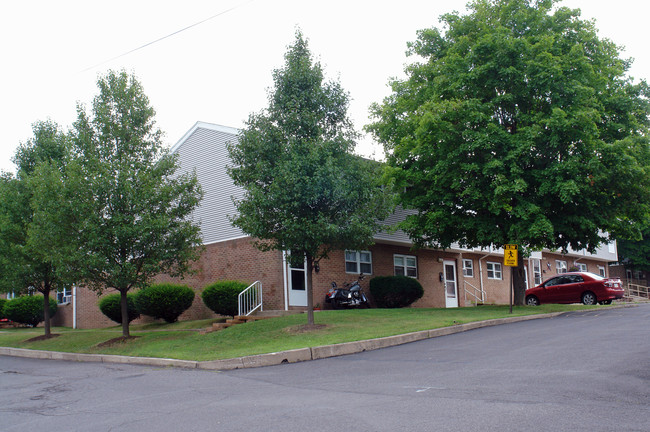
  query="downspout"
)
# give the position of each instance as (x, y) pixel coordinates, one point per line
(74, 306)
(284, 280)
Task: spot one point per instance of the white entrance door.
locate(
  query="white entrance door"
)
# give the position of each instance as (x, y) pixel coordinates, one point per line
(297, 285)
(451, 287)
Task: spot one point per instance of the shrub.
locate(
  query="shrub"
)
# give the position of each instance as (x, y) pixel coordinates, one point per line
(395, 291)
(110, 306)
(2, 305)
(28, 310)
(165, 300)
(222, 296)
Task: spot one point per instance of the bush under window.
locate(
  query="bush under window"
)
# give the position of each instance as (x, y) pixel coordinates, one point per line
(28, 310)
(395, 291)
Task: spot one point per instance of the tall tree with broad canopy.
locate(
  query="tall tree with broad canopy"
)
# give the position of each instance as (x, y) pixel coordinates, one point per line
(124, 210)
(518, 124)
(305, 190)
(635, 254)
(23, 264)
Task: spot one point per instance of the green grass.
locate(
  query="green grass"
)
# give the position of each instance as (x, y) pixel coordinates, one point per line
(264, 336)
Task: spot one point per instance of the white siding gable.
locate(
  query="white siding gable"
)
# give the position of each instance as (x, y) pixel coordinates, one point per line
(203, 149)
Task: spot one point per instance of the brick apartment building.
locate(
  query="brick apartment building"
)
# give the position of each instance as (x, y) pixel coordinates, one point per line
(450, 278)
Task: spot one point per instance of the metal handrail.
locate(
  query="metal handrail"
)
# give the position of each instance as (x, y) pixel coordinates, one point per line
(250, 299)
(475, 293)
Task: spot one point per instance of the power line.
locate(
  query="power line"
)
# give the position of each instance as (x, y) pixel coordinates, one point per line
(167, 36)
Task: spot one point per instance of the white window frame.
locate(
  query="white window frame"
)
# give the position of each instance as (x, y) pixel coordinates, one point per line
(601, 270)
(64, 296)
(357, 261)
(468, 268)
(404, 266)
(537, 271)
(495, 270)
(560, 266)
(581, 267)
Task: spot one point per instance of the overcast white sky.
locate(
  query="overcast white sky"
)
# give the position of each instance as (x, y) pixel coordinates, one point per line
(219, 71)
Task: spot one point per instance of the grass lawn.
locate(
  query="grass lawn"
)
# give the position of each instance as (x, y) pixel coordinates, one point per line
(178, 341)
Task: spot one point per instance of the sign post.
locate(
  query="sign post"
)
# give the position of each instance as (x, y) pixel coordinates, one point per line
(510, 253)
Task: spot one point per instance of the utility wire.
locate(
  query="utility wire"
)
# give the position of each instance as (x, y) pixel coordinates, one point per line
(167, 36)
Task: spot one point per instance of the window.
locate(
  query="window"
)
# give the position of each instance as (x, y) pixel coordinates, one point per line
(581, 267)
(601, 271)
(468, 268)
(638, 274)
(405, 265)
(537, 271)
(560, 266)
(493, 270)
(64, 296)
(358, 262)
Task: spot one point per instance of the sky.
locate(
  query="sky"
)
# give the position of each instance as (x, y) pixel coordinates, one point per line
(220, 71)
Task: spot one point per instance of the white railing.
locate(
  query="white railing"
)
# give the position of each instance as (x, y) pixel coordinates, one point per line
(250, 299)
(478, 294)
(637, 290)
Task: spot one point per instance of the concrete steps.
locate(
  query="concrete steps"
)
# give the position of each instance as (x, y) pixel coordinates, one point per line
(241, 319)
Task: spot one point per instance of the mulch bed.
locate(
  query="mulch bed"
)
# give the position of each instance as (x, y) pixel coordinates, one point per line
(116, 341)
(42, 337)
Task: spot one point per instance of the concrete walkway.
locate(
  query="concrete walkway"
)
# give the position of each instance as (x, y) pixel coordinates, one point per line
(291, 356)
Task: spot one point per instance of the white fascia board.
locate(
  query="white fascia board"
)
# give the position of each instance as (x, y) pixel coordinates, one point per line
(203, 125)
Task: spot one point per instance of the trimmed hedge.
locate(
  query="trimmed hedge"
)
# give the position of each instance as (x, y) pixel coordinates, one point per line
(165, 300)
(110, 306)
(2, 305)
(221, 297)
(28, 310)
(395, 291)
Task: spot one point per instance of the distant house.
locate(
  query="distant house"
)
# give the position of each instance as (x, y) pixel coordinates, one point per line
(450, 278)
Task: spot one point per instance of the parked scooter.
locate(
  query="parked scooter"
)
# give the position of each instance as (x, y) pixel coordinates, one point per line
(351, 295)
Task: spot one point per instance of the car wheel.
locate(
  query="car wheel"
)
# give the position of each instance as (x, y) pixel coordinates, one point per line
(605, 302)
(532, 301)
(589, 298)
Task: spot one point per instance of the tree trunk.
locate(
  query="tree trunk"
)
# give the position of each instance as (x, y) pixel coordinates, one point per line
(124, 306)
(46, 310)
(519, 281)
(310, 292)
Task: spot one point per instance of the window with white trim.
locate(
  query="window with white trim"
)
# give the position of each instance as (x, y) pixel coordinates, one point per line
(358, 262)
(405, 265)
(601, 270)
(493, 270)
(468, 268)
(581, 267)
(64, 296)
(537, 271)
(560, 266)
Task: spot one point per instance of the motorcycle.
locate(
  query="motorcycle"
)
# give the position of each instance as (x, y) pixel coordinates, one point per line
(351, 295)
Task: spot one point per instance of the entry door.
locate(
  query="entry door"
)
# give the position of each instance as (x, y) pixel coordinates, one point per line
(297, 285)
(451, 287)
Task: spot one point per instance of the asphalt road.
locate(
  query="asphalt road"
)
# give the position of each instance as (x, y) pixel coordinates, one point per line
(586, 371)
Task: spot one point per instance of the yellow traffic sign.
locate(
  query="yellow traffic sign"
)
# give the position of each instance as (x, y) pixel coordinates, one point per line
(510, 255)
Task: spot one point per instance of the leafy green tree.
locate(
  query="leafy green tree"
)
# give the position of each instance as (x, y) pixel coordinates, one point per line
(518, 124)
(23, 263)
(635, 254)
(122, 207)
(305, 191)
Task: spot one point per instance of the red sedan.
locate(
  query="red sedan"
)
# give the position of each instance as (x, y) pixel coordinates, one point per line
(576, 287)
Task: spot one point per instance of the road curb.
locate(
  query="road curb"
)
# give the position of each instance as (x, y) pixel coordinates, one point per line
(291, 356)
